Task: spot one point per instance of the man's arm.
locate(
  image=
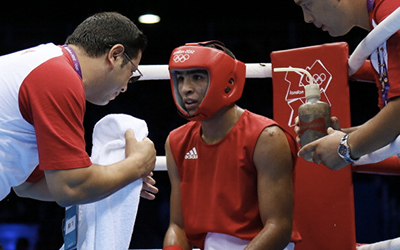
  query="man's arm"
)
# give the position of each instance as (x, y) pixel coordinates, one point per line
(84, 185)
(35, 190)
(40, 191)
(274, 165)
(175, 234)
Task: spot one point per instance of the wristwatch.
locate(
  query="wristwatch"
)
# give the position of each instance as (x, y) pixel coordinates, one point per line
(344, 150)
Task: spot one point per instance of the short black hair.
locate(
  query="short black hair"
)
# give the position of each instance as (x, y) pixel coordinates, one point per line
(99, 32)
(219, 45)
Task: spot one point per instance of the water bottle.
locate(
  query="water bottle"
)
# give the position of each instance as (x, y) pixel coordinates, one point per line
(314, 115)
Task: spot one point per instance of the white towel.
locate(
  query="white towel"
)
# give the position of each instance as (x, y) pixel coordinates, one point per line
(381, 154)
(108, 223)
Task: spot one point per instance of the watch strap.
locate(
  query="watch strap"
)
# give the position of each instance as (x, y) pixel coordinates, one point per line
(344, 150)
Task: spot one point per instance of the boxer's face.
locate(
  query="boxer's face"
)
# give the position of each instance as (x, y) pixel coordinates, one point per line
(192, 87)
(328, 15)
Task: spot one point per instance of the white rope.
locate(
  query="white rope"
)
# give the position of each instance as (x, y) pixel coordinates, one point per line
(258, 70)
(393, 244)
(264, 70)
(376, 37)
(154, 72)
(160, 72)
(161, 163)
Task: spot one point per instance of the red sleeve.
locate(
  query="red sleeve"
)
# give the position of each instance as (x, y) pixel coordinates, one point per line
(52, 98)
(365, 73)
(382, 10)
(36, 175)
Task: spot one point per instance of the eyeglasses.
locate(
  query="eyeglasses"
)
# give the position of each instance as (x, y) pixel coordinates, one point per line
(136, 74)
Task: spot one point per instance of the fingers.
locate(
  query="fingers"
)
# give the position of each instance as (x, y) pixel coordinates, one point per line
(130, 141)
(316, 159)
(298, 140)
(307, 151)
(335, 123)
(309, 157)
(297, 129)
(149, 179)
(148, 190)
(147, 196)
(129, 135)
(143, 151)
(297, 125)
(330, 130)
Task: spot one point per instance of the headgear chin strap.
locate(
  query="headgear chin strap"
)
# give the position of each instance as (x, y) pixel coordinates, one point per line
(226, 77)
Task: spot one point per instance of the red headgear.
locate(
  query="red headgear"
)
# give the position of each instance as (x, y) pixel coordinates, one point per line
(226, 77)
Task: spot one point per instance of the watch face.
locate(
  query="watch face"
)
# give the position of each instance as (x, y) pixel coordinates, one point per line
(342, 150)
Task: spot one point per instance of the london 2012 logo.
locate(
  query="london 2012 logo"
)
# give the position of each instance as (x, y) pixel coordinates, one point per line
(181, 56)
(296, 82)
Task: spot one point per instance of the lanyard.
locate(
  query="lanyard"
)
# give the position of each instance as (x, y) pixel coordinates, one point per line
(370, 5)
(77, 66)
(383, 77)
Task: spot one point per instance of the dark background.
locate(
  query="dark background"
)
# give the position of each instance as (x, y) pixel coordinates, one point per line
(252, 30)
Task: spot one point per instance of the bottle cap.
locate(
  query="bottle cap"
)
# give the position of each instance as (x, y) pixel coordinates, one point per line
(312, 90)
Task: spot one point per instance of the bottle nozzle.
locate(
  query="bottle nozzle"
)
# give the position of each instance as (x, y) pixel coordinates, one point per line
(310, 78)
(312, 90)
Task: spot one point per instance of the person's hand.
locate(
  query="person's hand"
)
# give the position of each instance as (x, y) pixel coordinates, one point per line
(148, 189)
(324, 150)
(143, 152)
(335, 124)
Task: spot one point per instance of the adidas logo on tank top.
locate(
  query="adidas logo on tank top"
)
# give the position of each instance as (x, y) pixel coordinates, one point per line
(192, 154)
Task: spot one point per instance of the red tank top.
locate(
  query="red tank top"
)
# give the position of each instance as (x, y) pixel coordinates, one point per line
(216, 179)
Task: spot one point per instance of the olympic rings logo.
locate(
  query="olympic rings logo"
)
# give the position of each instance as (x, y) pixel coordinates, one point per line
(319, 79)
(181, 58)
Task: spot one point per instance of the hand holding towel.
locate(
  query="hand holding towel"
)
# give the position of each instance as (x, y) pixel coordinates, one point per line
(108, 223)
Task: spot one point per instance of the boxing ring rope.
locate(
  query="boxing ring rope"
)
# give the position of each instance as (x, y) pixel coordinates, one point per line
(376, 37)
(160, 72)
(264, 70)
